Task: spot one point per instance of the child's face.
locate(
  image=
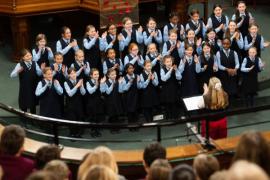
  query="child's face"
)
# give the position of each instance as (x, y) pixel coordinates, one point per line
(67, 34)
(195, 17)
(232, 26)
(211, 35)
(252, 52)
(95, 75)
(111, 54)
(241, 7)
(253, 30)
(128, 25)
(92, 32)
(48, 75)
(72, 75)
(152, 24)
(189, 51)
(206, 49)
(191, 35)
(42, 43)
(218, 11)
(112, 75)
(58, 59)
(130, 70)
(135, 50)
(79, 56)
(174, 20)
(173, 37)
(27, 57)
(112, 30)
(152, 48)
(148, 67)
(226, 44)
(168, 62)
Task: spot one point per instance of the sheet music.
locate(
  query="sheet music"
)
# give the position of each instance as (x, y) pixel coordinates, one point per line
(194, 103)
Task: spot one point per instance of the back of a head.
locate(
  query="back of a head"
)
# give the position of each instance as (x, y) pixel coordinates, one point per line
(152, 152)
(219, 175)
(12, 140)
(159, 170)
(99, 172)
(59, 168)
(205, 166)
(183, 172)
(253, 147)
(42, 175)
(244, 170)
(45, 154)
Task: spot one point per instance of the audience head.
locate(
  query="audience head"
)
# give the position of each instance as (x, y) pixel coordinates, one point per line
(59, 168)
(219, 175)
(46, 154)
(151, 153)
(182, 172)
(243, 170)
(253, 148)
(159, 170)
(12, 140)
(205, 166)
(100, 172)
(42, 175)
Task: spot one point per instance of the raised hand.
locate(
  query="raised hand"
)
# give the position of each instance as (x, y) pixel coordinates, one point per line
(140, 29)
(42, 66)
(103, 80)
(103, 36)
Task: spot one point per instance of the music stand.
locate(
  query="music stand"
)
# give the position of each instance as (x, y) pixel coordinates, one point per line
(196, 103)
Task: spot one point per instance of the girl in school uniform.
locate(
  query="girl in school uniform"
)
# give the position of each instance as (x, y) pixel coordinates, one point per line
(49, 92)
(152, 34)
(130, 35)
(243, 18)
(173, 24)
(113, 40)
(130, 95)
(81, 67)
(228, 64)
(28, 72)
(255, 39)
(154, 57)
(92, 45)
(210, 38)
(42, 53)
(134, 58)
(191, 40)
(251, 66)
(112, 62)
(113, 89)
(95, 105)
(172, 47)
(67, 46)
(196, 24)
(208, 66)
(189, 67)
(218, 21)
(170, 74)
(149, 95)
(75, 91)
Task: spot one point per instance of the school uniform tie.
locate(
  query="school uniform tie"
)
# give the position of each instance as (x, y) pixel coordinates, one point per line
(50, 84)
(219, 19)
(227, 53)
(59, 67)
(28, 65)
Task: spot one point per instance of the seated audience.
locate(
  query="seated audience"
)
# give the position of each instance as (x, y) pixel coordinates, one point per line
(100, 172)
(159, 170)
(59, 168)
(219, 175)
(205, 165)
(45, 154)
(182, 172)
(42, 175)
(15, 166)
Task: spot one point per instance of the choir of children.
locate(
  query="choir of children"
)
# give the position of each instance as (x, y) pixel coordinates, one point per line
(131, 79)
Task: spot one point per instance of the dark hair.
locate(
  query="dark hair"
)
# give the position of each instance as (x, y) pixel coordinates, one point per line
(109, 25)
(110, 71)
(23, 52)
(58, 54)
(93, 70)
(186, 39)
(182, 172)
(107, 52)
(128, 65)
(227, 33)
(46, 154)
(12, 139)
(70, 70)
(254, 148)
(226, 38)
(211, 52)
(172, 14)
(151, 19)
(253, 24)
(237, 13)
(63, 29)
(146, 62)
(42, 175)
(194, 11)
(88, 27)
(167, 57)
(215, 6)
(152, 152)
(210, 30)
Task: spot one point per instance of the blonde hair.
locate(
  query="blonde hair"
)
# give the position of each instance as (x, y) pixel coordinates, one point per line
(100, 156)
(100, 172)
(216, 98)
(59, 168)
